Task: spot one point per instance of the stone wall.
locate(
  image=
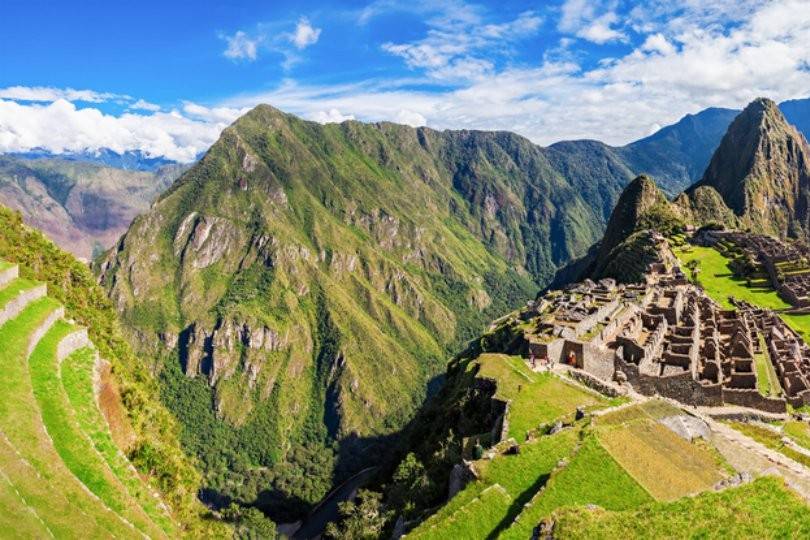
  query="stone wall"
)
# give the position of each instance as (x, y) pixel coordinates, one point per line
(71, 343)
(753, 399)
(595, 383)
(9, 274)
(14, 306)
(43, 328)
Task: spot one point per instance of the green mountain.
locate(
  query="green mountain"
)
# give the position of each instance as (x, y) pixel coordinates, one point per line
(302, 284)
(761, 171)
(83, 207)
(79, 411)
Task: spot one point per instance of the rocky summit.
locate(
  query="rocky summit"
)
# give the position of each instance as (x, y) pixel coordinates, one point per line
(762, 172)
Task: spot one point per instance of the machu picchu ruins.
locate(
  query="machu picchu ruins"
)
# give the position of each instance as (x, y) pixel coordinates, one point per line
(665, 336)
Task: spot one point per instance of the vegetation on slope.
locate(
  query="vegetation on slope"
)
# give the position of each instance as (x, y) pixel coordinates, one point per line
(156, 451)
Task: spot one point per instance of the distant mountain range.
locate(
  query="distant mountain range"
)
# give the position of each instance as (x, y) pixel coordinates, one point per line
(131, 160)
(84, 207)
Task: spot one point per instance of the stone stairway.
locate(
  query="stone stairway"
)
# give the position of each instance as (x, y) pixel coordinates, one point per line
(61, 475)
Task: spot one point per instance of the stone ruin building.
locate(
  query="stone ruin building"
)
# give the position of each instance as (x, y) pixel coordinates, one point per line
(665, 336)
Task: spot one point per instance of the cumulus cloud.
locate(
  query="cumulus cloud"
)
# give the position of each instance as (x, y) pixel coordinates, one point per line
(61, 126)
(240, 46)
(305, 34)
(410, 118)
(332, 116)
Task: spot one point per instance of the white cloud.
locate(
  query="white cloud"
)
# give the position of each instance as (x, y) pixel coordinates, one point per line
(47, 93)
(658, 43)
(142, 105)
(305, 34)
(675, 71)
(410, 118)
(62, 127)
(222, 115)
(591, 20)
(332, 116)
(240, 46)
(601, 30)
(459, 46)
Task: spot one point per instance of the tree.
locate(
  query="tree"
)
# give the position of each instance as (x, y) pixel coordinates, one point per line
(363, 519)
(410, 481)
(249, 523)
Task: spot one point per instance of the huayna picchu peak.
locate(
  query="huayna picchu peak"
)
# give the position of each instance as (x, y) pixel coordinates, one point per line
(762, 172)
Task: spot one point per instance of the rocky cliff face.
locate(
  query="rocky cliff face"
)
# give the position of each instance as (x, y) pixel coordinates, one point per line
(82, 207)
(761, 170)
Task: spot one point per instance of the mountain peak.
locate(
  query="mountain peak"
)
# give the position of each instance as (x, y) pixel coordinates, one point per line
(761, 169)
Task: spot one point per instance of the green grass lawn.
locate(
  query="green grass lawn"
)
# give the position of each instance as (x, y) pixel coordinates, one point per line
(592, 477)
(75, 449)
(5, 265)
(536, 398)
(762, 509)
(719, 283)
(77, 380)
(27, 456)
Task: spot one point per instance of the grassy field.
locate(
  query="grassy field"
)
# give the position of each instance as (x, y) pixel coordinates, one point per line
(719, 283)
(76, 449)
(26, 452)
(667, 466)
(762, 509)
(77, 380)
(536, 398)
(592, 477)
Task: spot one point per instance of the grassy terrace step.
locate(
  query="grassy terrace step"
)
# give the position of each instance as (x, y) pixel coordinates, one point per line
(521, 475)
(77, 380)
(764, 508)
(11, 290)
(17, 519)
(592, 477)
(75, 448)
(27, 455)
(470, 521)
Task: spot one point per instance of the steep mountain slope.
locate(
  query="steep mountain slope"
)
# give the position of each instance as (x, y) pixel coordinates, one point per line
(629, 244)
(761, 170)
(83, 207)
(309, 280)
(135, 426)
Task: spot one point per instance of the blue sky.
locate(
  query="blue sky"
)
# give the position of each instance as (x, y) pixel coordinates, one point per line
(166, 77)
